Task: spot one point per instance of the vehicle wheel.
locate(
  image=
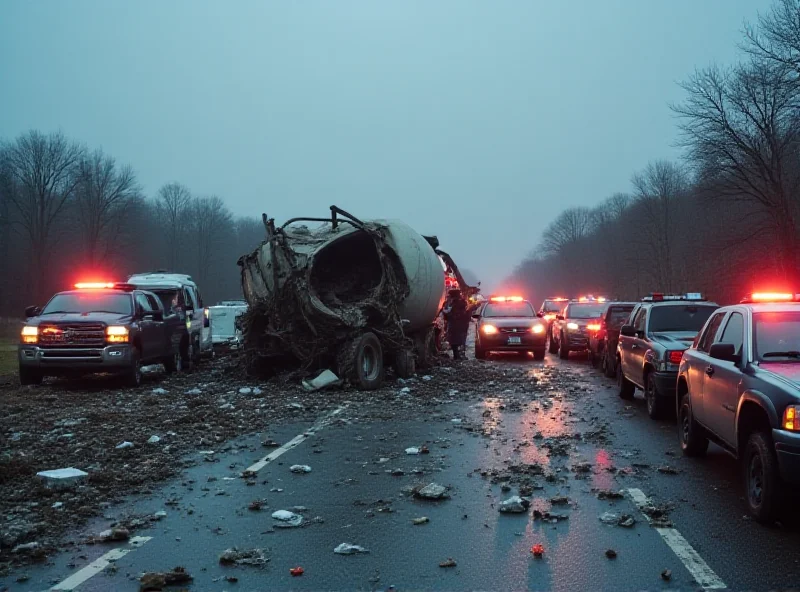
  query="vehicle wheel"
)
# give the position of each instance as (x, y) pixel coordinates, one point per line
(694, 441)
(361, 362)
(538, 354)
(425, 346)
(187, 356)
(133, 376)
(563, 348)
(173, 364)
(553, 345)
(480, 353)
(608, 367)
(198, 353)
(404, 363)
(626, 387)
(761, 477)
(655, 404)
(29, 376)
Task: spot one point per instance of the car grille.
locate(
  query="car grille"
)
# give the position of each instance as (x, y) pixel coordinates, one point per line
(515, 330)
(81, 335)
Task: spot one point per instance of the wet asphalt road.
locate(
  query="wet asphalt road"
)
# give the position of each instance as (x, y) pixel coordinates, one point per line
(352, 496)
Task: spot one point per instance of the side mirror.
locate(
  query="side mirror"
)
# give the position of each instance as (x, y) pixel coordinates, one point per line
(560, 317)
(627, 331)
(32, 311)
(723, 351)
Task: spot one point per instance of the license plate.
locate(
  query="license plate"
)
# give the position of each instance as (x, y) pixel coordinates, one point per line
(514, 340)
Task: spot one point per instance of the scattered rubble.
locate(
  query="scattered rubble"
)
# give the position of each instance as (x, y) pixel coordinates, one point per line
(157, 581)
(61, 479)
(515, 505)
(251, 557)
(422, 520)
(432, 491)
(666, 575)
(287, 519)
(450, 562)
(348, 549)
(300, 469)
(611, 553)
(323, 380)
(112, 535)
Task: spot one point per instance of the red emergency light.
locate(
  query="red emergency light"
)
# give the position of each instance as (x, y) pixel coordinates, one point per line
(94, 285)
(772, 297)
(506, 299)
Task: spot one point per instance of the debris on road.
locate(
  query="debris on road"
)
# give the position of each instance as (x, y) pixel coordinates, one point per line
(560, 500)
(256, 505)
(323, 380)
(348, 549)
(153, 440)
(609, 518)
(124, 445)
(515, 505)
(251, 557)
(432, 491)
(412, 450)
(296, 571)
(422, 520)
(61, 479)
(300, 469)
(666, 575)
(609, 494)
(627, 521)
(287, 519)
(112, 535)
(611, 553)
(449, 563)
(537, 550)
(667, 470)
(157, 581)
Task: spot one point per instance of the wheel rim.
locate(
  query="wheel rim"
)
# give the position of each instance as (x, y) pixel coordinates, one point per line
(685, 424)
(756, 480)
(650, 395)
(369, 363)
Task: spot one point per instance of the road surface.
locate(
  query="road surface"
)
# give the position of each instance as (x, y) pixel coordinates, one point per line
(556, 425)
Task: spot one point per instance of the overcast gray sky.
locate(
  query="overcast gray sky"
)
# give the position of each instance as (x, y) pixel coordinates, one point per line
(477, 121)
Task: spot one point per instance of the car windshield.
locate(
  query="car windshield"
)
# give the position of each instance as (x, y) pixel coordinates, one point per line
(617, 315)
(776, 336)
(584, 311)
(117, 303)
(508, 309)
(689, 317)
(552, 306)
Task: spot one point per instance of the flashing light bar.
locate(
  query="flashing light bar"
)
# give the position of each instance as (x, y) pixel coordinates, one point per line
(94, 285)
(660, 297)
(506, 299)
(771, 297)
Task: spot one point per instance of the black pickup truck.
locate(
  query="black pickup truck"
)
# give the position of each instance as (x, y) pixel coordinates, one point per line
(95, 328)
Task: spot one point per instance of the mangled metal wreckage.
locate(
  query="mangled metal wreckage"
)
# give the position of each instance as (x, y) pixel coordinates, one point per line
(346, 295)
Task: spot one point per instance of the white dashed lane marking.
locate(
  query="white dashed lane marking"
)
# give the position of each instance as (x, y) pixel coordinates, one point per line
(99, 564)
(294, 442)
(691, 559)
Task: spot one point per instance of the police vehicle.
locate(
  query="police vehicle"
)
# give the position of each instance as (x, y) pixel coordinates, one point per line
(509, 324)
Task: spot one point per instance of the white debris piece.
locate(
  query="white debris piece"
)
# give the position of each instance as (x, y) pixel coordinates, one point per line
(383, 459)
(432, 491)
(160, 514)
(245, 390)
(405, 390)
(153, 440)
(194, 391)
(25, 548)
(124, 444)
(300, 469)
(287, 518)
(412, 450)
(514, 505)
(348, 549)
(57, 505)
(256, 391)
(427, 377)
(226, 406)
(324, 379)
(609, 518)
(159, 391)
(63, 478)
(455, 421)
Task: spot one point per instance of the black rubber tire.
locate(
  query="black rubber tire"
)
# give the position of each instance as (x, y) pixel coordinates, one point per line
(552, 345)
(133, 375)
(692, 436)
(425, 348)
(404, 363)
(361, 362)
(608, 369)
(173, 364)
(480, 353)
(538, 354)
(626, 387)
(655, 403)
(759, 451)
(30, 376)
(563, 349)
(187, 355)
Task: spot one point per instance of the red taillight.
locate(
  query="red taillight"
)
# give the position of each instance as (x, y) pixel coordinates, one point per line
(594, 326)
(675, 357)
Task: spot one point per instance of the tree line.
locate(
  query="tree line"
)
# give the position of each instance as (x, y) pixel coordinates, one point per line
(69, 213)
(723, 220)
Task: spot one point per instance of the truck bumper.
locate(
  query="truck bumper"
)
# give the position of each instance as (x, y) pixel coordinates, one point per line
(62, 360)
(501, 344)
(787, 449)
(577, 342)
(666, 383)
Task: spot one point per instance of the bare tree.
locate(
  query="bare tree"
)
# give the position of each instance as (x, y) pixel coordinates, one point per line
(570, 226)
(741, 130)
(105, 195)
(776, 37)
(173, 203)
(213, 223)
(45, 171)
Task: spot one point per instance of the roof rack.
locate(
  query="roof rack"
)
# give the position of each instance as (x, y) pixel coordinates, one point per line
(661, 297)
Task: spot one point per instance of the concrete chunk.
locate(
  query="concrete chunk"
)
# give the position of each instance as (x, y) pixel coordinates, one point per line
(63, 478)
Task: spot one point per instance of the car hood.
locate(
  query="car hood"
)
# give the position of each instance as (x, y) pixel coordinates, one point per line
(109, 318)
(675, 339)
(513, 321)
(787, 371)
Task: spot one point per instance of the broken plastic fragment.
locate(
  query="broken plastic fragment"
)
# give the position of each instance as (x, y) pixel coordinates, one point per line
(422, 520)
(287, 519)
(514, 505)
(297, 571)
(348, 549)
(125, 444)
(449, 563)
(432, 491)
(300, 469)
(537, 550)
(153, 440)
(324, 379)
(412, 450)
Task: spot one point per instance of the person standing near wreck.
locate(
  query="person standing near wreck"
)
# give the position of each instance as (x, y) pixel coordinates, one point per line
(457, 313)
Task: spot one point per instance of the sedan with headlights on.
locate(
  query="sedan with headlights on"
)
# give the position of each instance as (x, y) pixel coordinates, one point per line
(509, 324)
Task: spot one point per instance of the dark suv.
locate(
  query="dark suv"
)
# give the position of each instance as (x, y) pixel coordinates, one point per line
(604, 334)
(739, 385)
(98, 328)
(570, 330)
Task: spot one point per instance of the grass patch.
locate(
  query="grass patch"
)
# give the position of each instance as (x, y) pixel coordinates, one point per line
(8, 355)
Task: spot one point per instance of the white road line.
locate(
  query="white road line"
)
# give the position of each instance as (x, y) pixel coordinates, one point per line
(294, 442)
(99, 564)
(691, 559)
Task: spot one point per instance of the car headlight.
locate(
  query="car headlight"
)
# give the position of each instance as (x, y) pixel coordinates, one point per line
(572, 326)
(117, 334)
(30, 334)
(489, 329)
(537, 329)
(791, 418)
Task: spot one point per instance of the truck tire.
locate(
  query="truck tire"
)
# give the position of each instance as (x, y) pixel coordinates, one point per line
(626, 387)
(655, 403)
(608, 366)
(361, 362)
(693, 438)
(29, 376)
(538, 354)
(553, 347)
(404, 363)
(133, 375)
(563, 348)
(173, 364)
(761, 478)
(187, 355)
(425, 348)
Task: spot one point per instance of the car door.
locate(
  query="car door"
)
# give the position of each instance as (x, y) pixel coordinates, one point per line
(624, 345)
(698, 362)
(161, 335)
(639, 346)
(723, 382)
(146, 326)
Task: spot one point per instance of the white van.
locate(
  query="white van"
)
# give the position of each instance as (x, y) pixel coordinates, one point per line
(223, 322)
